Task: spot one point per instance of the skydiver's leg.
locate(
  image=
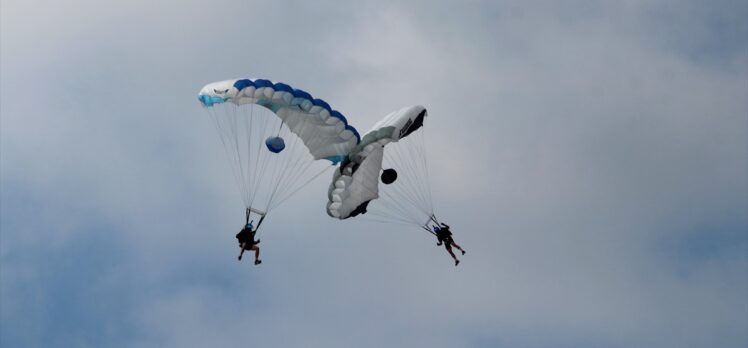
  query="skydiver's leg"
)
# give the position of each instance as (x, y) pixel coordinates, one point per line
(241, 246)
(449, 248)
(257, 253)
(458, 247)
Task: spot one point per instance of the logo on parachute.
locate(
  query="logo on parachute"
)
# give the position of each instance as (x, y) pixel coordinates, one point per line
(405, 128)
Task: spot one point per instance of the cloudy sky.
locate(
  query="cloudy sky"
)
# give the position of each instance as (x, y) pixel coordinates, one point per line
(591, 157)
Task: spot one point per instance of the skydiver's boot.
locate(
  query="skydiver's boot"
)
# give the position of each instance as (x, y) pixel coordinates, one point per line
(457, 262)
(463, 252)
(240, 257)
(257, 262)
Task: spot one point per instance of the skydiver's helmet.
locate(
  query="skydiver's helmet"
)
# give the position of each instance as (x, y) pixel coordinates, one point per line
(436, 229)
(249, 226)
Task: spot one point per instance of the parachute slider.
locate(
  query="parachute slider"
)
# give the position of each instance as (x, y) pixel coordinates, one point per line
(275, 144)
(256, 211)
(388, 176)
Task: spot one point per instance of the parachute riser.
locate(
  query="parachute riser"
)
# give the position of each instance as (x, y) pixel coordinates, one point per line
(425, 226)
(261, 213)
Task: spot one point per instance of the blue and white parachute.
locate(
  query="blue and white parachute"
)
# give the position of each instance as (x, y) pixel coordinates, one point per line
(393, 150)
(273, 133)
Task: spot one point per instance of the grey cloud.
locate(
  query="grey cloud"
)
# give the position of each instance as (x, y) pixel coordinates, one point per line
(591, 157)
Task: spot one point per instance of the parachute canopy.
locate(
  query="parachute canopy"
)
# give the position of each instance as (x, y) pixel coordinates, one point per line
(396, 141)
(324, 131)
(260, 124)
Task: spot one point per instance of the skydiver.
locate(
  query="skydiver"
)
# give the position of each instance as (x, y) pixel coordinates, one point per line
(444, 235)
(247, 241)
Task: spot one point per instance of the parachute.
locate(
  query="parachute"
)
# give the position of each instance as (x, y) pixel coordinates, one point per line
(396, 143)
(273, 134)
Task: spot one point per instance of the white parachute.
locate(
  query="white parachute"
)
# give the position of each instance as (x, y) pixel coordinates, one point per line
(272, 134)
(394, 151)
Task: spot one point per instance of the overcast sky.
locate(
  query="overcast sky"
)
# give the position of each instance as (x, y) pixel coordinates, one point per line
(591, 157)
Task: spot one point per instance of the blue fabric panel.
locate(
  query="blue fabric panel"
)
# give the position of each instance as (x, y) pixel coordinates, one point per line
(283, 87)
(259, 83)
(355, 132)
(298, 93)
(208, 100)
(242, 84)
(323, 104)
(338, 115)
(278, 144)
(335, 159)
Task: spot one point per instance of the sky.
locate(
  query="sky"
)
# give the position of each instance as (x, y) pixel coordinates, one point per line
(590, 156)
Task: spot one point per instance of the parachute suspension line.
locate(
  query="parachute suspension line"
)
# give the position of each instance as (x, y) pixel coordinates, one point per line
(300, 167)
(408, 200)
(295, 167)
(424, 158)
(279, 128)
(260, 157)
(408, 188)
(239, 123)
(386, 221)
(234, 128)
(258, 125)
(392, 217)
(289, 195)
(289, 165)
(252, 173)
(274, 163)
(391, 206)
(397, 210)
(401, 209)
(417, 152)
(421, 185)
(295, 173)
(298, 171)
(263, 157)
(395, 221)
(395, 207)
(281, 168)
(404, 190)
(221, 124)
(390, 222)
